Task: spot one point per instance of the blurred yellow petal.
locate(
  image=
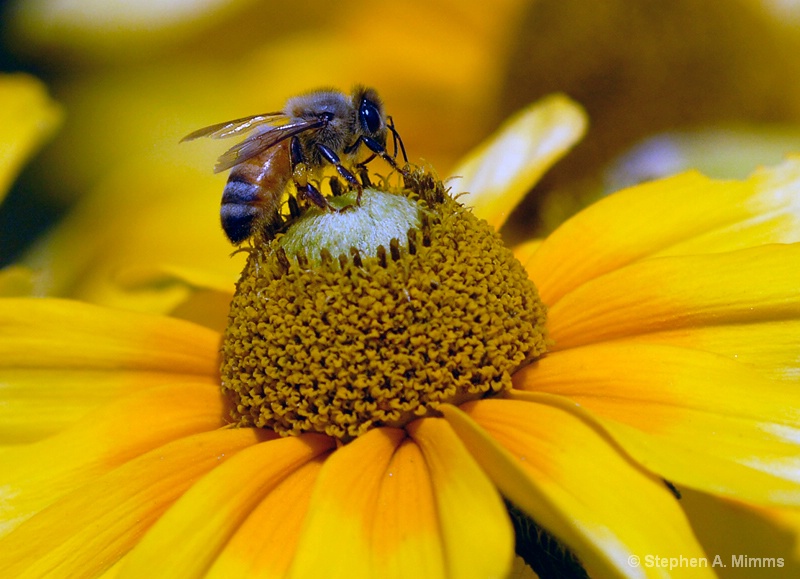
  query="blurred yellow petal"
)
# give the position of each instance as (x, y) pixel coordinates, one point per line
(469, 506)
(576, 484)
(208, 308)
(187, 538)
(686, 214)
(747, 286)
(498, 174)
(106, 30)
(696, 418)
(59, 359)
(27, 118)
(146, 229)
(86, 531)
(155, 274)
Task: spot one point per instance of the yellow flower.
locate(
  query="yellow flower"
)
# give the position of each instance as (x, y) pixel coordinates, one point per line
(673, 311)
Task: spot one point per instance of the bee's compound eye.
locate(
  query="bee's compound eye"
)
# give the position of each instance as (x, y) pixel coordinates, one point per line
(370, 116)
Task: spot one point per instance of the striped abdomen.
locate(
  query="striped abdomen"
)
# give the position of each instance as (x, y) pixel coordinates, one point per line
(252, 195)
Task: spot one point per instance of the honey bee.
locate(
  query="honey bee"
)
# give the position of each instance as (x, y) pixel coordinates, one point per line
(314, 129)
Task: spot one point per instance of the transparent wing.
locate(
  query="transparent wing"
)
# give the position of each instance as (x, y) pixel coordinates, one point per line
(235, 127)
(261, 141)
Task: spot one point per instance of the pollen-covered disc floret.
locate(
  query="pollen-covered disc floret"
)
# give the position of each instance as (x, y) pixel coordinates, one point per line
(343, 343)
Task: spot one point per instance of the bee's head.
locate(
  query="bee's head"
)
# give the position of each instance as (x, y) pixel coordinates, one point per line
(371, 116)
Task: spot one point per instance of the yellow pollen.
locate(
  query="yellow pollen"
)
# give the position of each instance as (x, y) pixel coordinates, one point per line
(342, 342)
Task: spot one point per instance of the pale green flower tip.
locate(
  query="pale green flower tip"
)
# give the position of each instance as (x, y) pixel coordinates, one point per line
(379, 218)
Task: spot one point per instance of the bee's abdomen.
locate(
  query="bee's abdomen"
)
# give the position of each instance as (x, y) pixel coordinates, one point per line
(240, 208)
(251, 198)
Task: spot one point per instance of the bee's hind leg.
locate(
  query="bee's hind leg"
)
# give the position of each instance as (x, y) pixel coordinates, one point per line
(363, 174)
(307, 191)
(300, 174)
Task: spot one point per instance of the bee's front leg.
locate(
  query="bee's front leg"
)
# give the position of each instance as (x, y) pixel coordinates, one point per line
(380, 150)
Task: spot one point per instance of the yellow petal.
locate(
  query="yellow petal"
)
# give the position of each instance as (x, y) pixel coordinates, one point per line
(113, 571)
(71, 335)
(499, 173)
(336, 539)
(770, 214)
(186, 540)
(60, 359)
(85, 532)
(696, 418)
(36, 475)
(406, 538)
(686, 214)
(524, 251)
(746, 537)
(208, 308)
(138, 277)
(754, 285)
(27, 117)
(573, 482)
(770, 347)
(265, 544)
(202, 296)
(475, 528)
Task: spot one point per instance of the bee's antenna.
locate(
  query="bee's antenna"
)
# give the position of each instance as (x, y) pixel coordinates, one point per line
(396, 139)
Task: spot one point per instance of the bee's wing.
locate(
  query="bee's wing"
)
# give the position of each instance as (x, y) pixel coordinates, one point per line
(234, 127)
(261, 141)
